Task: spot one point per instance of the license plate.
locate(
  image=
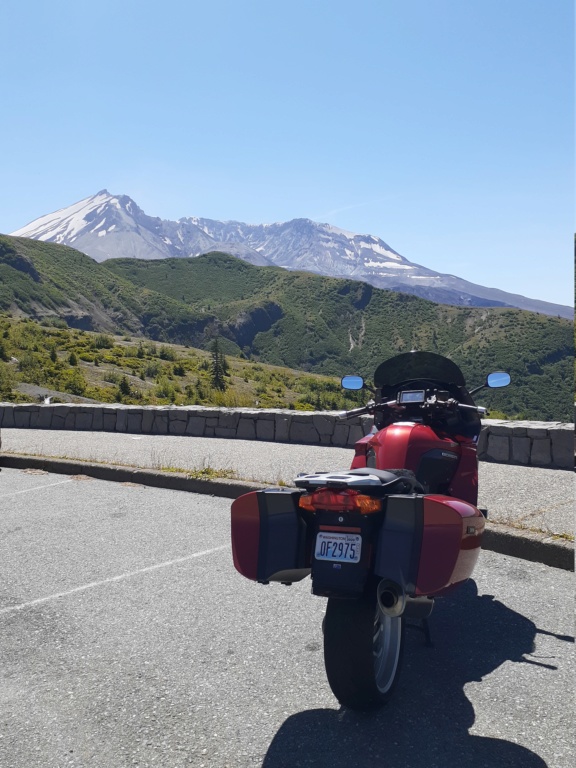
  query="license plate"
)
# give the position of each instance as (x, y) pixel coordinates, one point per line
(338, 547)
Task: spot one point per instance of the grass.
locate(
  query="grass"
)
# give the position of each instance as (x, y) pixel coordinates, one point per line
(519, 526)
(205, 473)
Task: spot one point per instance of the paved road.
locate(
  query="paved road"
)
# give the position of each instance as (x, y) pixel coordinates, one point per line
(531, 497)
(129, 640)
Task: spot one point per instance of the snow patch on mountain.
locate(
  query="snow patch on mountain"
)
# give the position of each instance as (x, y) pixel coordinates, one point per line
(389, 264)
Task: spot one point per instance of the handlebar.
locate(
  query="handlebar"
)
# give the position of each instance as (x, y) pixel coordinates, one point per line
(371, 407)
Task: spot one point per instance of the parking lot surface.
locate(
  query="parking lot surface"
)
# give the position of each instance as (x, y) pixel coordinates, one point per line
(128, 639)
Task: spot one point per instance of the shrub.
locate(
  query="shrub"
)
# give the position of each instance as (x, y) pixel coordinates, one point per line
(167, 353)
(152, 369)
(165, 389)
(102, 341)
(73, 381)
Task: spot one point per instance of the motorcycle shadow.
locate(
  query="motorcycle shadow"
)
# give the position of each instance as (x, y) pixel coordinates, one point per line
(426, 723)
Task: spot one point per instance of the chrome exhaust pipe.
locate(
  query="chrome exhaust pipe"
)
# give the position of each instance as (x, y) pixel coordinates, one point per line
(391, 598)
(418, 607)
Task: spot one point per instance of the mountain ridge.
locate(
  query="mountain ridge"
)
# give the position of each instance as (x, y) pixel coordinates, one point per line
(108, 226)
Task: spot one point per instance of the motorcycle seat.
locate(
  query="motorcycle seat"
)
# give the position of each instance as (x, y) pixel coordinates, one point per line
(384, 475)
(408, 484)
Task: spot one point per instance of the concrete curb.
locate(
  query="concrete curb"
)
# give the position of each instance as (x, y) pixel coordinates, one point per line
(529, 545)
(515, 542)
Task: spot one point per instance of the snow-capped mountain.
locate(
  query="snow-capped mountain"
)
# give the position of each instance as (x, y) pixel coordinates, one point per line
(107, 226)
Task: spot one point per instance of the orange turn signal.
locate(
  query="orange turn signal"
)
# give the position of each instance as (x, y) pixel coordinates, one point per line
(342, 501)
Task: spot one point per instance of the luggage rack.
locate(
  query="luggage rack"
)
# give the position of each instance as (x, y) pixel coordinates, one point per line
(337, 479)
(385, 480)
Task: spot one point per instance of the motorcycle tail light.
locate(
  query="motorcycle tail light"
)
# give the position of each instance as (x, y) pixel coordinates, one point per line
(339, 501)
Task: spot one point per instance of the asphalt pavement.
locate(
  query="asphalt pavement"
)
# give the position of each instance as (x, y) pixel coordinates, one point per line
(530, 508)
(128, 639)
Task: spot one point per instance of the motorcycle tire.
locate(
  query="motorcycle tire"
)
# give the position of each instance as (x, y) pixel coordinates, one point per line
(362, 651)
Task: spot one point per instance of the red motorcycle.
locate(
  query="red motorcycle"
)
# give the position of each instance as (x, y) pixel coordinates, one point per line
(383, 539)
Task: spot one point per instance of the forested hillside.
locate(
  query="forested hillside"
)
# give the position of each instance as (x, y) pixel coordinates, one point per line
(294, 319)
(330, 326)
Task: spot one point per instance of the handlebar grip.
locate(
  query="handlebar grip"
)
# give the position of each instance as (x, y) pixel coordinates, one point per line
(354, 412)
(478, 408)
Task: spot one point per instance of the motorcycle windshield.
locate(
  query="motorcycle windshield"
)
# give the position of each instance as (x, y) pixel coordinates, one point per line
(411, 366)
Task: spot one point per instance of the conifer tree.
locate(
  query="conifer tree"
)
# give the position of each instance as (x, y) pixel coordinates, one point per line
(124, 386)
(218, 366)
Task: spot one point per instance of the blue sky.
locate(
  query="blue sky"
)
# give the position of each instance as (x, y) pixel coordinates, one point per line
(444, 127)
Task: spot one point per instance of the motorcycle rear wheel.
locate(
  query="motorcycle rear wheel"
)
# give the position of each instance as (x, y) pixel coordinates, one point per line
(362, 651)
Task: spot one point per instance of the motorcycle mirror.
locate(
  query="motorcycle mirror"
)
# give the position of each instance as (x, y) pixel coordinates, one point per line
(352, 382)
(498, 379)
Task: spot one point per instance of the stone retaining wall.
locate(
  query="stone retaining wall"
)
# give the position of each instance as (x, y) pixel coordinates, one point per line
(543, 444)
(534, 443)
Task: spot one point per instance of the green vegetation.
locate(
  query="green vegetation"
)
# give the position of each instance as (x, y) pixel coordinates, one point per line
(142, 372)
(331, 326)
(65, 287)
(260, 315)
